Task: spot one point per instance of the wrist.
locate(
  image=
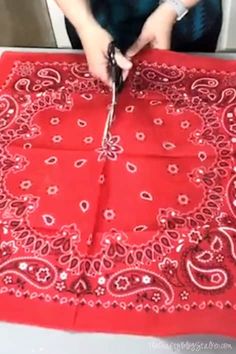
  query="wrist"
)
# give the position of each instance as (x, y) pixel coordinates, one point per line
(78, 12)
(178, 7)
(186, 3)
(190, 3)
(169, 14)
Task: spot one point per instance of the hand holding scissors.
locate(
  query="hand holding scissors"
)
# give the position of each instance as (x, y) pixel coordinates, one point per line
(115, 73)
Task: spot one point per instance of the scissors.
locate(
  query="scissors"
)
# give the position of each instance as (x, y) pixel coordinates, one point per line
(115, 73)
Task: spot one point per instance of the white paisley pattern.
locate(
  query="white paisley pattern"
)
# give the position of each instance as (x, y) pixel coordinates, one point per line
(169, 257)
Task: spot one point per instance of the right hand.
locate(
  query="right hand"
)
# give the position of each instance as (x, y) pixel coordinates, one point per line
(95, 41)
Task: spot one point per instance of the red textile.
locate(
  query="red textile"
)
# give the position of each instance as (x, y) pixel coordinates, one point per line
(136, 237)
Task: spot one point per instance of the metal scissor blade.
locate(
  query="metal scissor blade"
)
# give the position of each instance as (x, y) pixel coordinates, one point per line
(115, 73)
(111, 114)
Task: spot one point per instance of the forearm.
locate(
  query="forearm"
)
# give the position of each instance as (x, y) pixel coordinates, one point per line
(77, 11)
(169, 13)
(191, 3)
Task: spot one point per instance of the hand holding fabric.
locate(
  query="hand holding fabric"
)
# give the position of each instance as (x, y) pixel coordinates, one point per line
(156, 31)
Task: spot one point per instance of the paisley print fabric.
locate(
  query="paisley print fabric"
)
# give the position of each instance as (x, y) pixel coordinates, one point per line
(136, 236)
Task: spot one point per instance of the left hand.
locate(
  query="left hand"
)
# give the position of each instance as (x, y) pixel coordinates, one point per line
(156, 31)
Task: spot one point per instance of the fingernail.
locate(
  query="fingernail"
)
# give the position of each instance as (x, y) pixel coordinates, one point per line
(125, 75)
(130, 65)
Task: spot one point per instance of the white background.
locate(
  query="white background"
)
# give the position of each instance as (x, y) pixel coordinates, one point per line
(29, 340)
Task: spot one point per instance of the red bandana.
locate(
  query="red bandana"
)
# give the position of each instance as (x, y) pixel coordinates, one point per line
(137, 236)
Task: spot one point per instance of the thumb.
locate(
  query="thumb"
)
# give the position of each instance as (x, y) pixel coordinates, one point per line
(140, 43)
(122, 61)
(162, 43)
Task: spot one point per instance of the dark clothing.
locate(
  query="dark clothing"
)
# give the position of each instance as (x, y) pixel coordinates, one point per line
(197, 32)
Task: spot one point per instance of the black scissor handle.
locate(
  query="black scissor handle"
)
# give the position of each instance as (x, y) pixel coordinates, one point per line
(114, 70)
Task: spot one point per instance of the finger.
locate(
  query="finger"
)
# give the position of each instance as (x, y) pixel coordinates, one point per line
(163, 43)
(104, 77)
(101, 74)
(125, 74)
(140, 43)
(122, 61)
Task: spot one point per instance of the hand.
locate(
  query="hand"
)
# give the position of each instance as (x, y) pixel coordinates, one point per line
(156, 31)
(95, 41)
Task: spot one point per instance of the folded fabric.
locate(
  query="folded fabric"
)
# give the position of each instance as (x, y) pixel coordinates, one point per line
(136, 236)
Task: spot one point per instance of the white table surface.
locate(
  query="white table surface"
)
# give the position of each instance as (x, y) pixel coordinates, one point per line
(17, 339)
